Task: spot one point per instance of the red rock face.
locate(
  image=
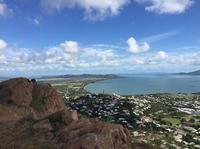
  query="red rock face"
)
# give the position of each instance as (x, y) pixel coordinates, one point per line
(10, 114)
(46, 101)
(16, 91)
(22, 97)
(94, 134)
(25, 101)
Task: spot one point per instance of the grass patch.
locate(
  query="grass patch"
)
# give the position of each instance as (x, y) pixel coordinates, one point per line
(172, 121)
(155, 107)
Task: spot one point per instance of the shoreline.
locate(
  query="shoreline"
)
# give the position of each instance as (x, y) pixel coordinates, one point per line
(95, 81)
(140, 94)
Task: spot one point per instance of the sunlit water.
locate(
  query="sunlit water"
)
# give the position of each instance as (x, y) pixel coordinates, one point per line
(147, 84)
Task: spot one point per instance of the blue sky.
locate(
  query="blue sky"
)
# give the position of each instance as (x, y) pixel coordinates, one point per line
(102, 36)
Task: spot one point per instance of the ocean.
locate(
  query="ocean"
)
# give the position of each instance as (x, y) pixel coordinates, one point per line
(147, 84)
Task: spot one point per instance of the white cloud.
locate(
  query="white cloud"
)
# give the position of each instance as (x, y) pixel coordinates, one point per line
(2, 57)
(99, 57)
(134, 47)
(70, 47)
(20, 56)
(160, 56)
(4, 10)
(69, 55)
(3, 44)
(166, 6)
(191, 59)
(94, 9)
(100, 9)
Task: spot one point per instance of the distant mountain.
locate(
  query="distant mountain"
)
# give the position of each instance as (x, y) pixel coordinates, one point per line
(191, 73)
(82, 76)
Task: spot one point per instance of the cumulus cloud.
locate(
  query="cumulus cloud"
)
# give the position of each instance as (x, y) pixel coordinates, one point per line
(135, 47)
(2, 57)
(70, 47)
(20, 55)
(161, 55)
(158, 58)
(100, 9)
(70, 55)
(99, 57)
(3, 44)
(166, 6)
(93, 9)
(4, 10)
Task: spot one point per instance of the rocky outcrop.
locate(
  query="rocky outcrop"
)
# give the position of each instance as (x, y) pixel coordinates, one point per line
(46, 101)
(94, 134)
(34, 116)
(11, 114)
(24, 99)
(16, 91)
(43, 125)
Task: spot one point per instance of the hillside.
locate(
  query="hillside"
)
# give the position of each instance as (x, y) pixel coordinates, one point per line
(82, 76)
(34, 115)
(191, 73)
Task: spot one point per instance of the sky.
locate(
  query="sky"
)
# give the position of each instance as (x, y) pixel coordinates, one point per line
(51, 37)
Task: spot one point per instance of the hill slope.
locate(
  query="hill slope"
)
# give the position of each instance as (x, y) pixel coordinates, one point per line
(191, 73)
(34, 115)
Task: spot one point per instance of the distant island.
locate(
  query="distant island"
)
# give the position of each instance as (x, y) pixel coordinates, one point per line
(190, 73)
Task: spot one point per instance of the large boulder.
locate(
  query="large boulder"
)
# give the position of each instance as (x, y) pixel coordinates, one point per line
(94, 134)
(44, 125)
(41, 120)
(46, 101)
(63, 118)
(16, 91)
(22, 97)
(10, 114)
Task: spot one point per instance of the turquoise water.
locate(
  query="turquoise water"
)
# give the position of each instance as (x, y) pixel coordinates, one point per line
(147, 84)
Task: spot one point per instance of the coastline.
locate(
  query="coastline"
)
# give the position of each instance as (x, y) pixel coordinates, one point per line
(150, 90)
(95, 81)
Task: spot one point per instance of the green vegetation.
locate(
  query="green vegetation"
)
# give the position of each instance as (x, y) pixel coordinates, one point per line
(156, 107)
(197, 124)
(72, 86)
(172, 121)
(72, 89)
(158, 115)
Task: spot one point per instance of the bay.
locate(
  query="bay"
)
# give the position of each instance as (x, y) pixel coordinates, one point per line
(147, 84)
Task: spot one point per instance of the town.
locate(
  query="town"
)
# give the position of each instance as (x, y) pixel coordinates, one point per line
(164, 120)
(158, 120)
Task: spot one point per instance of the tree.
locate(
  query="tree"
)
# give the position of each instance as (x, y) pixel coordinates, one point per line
(192, 120)
(188, 137)
(183, 120)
